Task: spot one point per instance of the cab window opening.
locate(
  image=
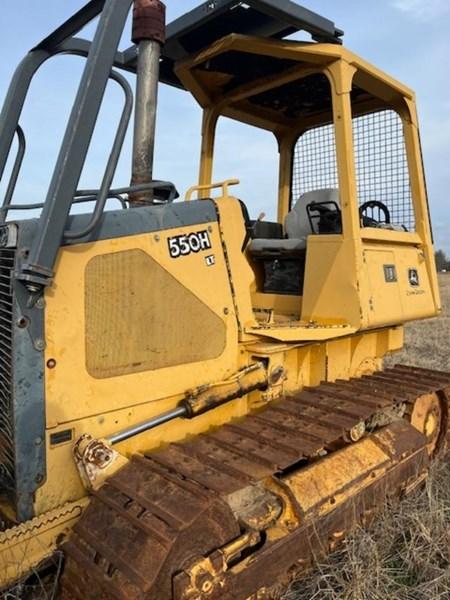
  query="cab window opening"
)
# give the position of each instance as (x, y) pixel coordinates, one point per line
(382, 174)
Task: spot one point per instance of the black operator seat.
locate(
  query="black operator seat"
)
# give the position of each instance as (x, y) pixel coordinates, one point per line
(299, 224)
(284, 259)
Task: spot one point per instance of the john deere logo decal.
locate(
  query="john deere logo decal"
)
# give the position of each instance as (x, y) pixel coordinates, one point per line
(413, 276)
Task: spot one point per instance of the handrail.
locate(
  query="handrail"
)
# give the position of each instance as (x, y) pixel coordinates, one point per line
(37, 271)
(15, 172)
(83, 196)
(211, 186)
(93, 198)
(166, 186)
(20, 84)
(112, 161)
(40, 205)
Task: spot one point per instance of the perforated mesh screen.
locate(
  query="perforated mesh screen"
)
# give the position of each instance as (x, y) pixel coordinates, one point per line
(315, 164)
(381, 164)
(128, 299)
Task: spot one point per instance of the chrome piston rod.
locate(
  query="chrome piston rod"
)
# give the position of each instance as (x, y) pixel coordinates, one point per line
(205, 398)
(122, 436)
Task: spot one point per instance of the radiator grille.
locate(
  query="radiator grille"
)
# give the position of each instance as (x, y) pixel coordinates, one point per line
(7, 463)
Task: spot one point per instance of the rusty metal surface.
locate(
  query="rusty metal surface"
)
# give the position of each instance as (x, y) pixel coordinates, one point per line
(141, 522)
(162, 511)
(149, 21)
(296, 552)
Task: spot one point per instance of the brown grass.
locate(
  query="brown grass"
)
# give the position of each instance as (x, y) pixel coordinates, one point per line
(405, 555)
(427, 343)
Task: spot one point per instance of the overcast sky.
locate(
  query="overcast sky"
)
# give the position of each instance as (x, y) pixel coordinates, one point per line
(407, 38)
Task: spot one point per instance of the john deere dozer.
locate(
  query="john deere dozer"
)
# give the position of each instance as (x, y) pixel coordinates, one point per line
(192, 401)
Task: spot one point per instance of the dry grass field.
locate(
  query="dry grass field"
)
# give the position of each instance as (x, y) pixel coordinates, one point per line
(427, 343)
(406, 553)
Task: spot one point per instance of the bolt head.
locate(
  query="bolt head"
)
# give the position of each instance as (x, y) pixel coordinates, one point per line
(40, 344)
(22, 322)
(207, 586)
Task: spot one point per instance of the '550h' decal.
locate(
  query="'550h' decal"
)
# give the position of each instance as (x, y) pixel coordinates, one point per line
(183, 245)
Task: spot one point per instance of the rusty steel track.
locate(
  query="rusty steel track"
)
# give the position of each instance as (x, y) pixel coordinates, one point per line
(154, 516)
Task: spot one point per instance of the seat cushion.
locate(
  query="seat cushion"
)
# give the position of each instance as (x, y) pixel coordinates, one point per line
(297, 224)
(264, 246)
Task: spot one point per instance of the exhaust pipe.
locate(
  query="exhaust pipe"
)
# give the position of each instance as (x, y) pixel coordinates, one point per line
(149, 34)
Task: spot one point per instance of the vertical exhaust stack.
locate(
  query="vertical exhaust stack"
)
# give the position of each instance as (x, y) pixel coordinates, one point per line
(149, 34)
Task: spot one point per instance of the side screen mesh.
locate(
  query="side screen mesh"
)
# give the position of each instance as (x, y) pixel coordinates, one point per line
(315, 165)
(381, 164)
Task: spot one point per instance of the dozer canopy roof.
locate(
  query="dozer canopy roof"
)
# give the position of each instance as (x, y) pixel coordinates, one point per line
(236, 54)
(209, 22)
(214, 20)
(275, 84)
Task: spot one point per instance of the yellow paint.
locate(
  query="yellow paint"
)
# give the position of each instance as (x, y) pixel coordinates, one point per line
(426, 417)
(73, 394)
(322, 487)
(302, 331)
(398, 301)
(128, 296)
(232, 229)
(223, 185)
(339, 285)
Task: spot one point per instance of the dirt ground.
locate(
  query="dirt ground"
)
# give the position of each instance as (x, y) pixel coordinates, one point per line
(406, 554)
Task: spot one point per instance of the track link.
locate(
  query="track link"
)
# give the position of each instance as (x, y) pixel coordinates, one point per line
(170, 506)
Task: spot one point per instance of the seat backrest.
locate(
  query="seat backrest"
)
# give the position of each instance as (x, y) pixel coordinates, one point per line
(297, 223)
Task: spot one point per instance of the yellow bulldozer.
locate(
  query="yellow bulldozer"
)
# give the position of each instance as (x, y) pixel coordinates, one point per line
(193, 404)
